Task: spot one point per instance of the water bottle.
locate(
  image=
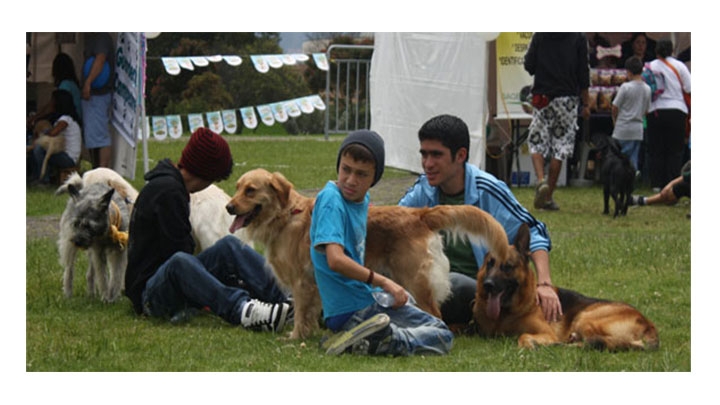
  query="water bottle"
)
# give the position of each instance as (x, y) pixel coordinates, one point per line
(384, 299)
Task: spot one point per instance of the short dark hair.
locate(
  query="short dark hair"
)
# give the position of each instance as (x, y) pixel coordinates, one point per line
(449, 130)
(634, 65)
(359, 153)
(664, 48)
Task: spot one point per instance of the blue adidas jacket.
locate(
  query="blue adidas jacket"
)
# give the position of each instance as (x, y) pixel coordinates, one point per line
(485, 191)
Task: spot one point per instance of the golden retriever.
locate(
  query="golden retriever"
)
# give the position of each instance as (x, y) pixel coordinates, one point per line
(402, 243)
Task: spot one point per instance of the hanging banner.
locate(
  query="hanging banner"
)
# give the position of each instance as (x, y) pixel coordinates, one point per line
(233, 60)
(185, 63)
(214, 58)
(248, 117)
(229, 120)
(214, 120)
(195, 121)
(175, 128)
(288, 59)
(199, 61)
(279, 113)
(321, 61)
(305, 104)
(292, 109)
(300, 57)
(266, 114)
(128, 94)
(260, 63)
(171, 66)
(511, 75)
(274, 61)
(159, 128)
(317, 102)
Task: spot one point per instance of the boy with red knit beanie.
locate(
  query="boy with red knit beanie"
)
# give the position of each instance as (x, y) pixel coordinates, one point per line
(164, 279)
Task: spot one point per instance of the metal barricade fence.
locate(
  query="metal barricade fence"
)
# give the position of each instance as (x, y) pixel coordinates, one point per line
(347, 92)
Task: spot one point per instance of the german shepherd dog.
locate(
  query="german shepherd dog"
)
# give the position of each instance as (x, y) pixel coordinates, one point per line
(402, 243)
(505, 305)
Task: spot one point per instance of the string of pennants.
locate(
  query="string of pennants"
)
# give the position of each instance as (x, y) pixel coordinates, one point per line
(226, 120)
(262, 63)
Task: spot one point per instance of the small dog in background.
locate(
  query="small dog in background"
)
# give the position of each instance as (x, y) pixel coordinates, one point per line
(96, 219)
(51, 144)
(617, 174)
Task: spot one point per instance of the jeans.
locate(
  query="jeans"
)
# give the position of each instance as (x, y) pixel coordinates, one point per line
(223, 278)
(631, 149)
(60, 160)
(414, 331)
(457, 309)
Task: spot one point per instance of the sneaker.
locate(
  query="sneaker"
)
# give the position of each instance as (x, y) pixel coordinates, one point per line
(541, 194)
(342, 340)
(637, 200)
(550, 206)
(261, 316)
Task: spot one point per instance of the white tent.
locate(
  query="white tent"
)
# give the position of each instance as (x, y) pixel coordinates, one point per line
(416, 76)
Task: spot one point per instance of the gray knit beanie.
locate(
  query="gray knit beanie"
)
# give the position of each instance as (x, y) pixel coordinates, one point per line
(373, 142)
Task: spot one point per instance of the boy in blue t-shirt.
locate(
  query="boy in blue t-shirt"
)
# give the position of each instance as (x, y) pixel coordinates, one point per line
(346, 286)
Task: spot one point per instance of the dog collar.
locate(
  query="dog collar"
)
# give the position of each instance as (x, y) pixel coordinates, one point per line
(295, 211)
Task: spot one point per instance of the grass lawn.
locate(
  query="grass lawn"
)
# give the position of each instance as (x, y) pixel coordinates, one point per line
(642, 259)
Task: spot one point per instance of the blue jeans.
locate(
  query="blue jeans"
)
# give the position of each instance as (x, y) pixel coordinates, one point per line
(223, 278)
(631, 149)
(414, 331)
(60, 160)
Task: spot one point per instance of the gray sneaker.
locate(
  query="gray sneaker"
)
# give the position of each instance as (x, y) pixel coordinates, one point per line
(261, 316)
(541, 193)
(342, 340)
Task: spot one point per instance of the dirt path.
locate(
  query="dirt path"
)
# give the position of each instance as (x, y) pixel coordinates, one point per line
(386, 192)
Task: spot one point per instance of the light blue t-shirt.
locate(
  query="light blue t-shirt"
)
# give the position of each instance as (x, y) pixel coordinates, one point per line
(336, 220)
(74, 90)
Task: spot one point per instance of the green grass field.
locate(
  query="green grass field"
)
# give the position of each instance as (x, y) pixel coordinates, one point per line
(642, 259)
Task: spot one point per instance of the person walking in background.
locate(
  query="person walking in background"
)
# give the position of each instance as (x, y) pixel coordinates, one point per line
(558, 63)
(666, 119)
(629, 107)
(97, 88)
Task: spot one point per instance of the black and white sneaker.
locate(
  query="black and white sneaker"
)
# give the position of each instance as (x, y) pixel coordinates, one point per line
(261, 316)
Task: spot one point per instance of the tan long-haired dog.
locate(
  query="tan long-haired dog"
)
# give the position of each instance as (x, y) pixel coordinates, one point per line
(51, 144)
(402, 243)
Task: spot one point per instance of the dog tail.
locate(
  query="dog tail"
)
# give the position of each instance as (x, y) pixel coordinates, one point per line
(74, 180)
(467, 221)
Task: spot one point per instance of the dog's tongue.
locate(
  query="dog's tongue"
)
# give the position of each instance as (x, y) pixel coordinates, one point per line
(493, 306)
(237, 223)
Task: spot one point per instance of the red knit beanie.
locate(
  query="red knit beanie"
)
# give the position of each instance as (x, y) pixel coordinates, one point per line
(207, 155)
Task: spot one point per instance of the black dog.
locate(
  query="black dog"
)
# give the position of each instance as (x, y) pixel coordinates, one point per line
(617, 174)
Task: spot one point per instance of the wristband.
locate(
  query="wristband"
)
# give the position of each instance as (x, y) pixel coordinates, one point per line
(370, 277)
(544, 284)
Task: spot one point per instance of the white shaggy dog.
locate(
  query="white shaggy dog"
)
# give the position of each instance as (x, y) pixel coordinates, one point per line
(209, 219)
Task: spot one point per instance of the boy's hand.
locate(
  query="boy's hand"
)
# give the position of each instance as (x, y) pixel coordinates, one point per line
(397, 291)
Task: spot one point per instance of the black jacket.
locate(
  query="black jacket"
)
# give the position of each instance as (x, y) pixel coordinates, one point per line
(159, 227)
(559, 63)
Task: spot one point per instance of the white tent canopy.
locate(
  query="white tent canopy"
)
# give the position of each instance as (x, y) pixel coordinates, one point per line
(416, 76)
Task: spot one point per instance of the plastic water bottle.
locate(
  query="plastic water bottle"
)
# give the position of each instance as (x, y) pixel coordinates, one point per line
(384, 299)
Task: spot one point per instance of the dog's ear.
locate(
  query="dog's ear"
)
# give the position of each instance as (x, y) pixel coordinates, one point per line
(282, 187)
(106, 198)
(522, 240)
(73, 191)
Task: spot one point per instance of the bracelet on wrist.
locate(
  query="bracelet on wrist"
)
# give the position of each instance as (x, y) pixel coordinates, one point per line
(544, 284)
(370, 277)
